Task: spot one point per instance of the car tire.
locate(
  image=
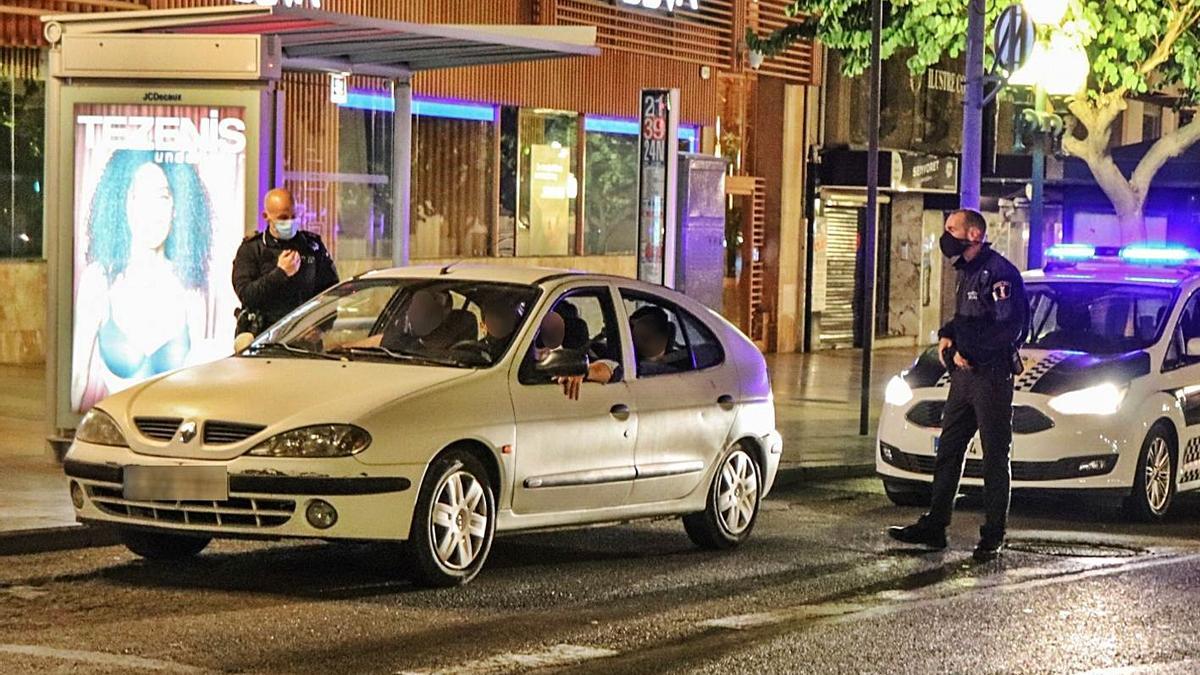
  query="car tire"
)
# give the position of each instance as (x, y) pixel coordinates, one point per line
(733, 503)
(162, 545)
(453, 524)
(907, 494)
(1154, 477)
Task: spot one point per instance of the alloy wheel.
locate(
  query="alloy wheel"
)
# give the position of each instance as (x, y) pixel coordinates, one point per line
(737, 492)
(1158, 475)
(458, 521)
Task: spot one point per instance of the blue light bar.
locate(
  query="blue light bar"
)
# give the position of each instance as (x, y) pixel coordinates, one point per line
(380, 102)
(1071, 252)
(1162, 255)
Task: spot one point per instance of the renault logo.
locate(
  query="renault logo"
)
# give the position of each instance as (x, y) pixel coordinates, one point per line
(187, 431)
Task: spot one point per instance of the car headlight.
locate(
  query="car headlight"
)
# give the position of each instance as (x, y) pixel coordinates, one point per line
(898, 392)
(322, 440)
(99, 428)
(1102, 399)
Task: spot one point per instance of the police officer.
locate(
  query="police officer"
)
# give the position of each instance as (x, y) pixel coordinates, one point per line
(979, 348)
(280, 268)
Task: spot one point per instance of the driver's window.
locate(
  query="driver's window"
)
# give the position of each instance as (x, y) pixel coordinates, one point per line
(1187, 328)
(581, 320)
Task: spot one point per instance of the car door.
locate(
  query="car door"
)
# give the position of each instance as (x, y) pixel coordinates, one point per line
(685, 409)
(1181, 376)
(574, 455)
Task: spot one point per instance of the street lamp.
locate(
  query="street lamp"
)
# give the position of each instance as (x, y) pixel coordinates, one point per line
(1057, 68)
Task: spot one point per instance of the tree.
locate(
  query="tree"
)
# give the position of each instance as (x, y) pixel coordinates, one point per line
(1135, 47)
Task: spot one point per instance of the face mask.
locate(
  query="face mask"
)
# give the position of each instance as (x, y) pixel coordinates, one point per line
(952, 246)
(285, 229)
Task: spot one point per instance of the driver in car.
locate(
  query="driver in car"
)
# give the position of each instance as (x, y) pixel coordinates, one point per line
(426, 324)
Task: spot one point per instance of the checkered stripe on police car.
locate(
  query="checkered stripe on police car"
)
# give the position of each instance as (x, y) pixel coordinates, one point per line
(1031, 376)
(1191, 456)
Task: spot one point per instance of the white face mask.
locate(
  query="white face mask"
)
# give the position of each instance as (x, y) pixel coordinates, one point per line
(285, 229)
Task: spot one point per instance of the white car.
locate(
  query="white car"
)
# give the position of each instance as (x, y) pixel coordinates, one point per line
(340, 422)
(1109, 401)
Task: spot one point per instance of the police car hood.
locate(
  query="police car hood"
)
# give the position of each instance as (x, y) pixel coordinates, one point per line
(1047, 371)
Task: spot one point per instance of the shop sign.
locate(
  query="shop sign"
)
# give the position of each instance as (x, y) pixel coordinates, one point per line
(312, 4)
(924, 173)
(338, 92)
(658, 154)
(668, 6)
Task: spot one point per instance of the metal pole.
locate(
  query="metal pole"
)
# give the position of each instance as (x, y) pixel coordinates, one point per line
(972, 135)
(1037, 200)
(401, 171)
(870, 241)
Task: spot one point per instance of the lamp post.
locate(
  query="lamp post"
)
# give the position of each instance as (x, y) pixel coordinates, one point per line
(1056, 68)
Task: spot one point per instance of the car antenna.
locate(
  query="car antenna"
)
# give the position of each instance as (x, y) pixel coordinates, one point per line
(447, 268)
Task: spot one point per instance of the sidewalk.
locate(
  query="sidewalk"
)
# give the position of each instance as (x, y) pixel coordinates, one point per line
(816, 401)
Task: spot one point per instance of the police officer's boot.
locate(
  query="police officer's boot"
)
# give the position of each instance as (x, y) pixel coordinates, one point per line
(989, 546)
(920, 535)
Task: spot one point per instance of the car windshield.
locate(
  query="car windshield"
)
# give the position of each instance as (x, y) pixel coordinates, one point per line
(1097, 318)
(438, 322)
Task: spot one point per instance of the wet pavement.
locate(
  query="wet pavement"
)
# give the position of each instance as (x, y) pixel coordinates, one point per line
(817, 589)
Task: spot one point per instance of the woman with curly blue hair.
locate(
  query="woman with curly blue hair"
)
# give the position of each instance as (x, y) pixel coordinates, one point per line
(141, 297)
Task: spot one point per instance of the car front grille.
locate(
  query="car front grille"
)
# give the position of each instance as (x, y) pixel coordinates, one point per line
(158, 428)
(237, 512)
(226, 433)
(1021, 471)
(1026, 419)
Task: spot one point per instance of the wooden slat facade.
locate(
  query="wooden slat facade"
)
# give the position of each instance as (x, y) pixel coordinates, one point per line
(800, 64)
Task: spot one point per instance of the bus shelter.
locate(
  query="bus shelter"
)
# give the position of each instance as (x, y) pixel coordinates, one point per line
(163, 130)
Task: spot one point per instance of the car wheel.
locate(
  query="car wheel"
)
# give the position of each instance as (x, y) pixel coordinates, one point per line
(454, 522)
(908, 494)
(162, 545)
(732, 506)
(1154, 479)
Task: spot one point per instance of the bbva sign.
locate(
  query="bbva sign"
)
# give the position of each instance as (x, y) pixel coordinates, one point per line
(668, 5)
(314, 4)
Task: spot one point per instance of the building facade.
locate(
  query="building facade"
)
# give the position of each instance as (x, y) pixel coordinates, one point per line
(528, 164)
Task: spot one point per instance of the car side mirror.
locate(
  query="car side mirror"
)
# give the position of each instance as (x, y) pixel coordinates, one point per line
(1192, 348)
(563, 363)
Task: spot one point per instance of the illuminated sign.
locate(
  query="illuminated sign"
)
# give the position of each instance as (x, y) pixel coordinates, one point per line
(667, 5)
(339, 94)
(658, 152)
(314, 4)
(175, 139)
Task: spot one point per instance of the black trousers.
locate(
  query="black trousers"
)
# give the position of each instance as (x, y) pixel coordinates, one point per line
(979, 400)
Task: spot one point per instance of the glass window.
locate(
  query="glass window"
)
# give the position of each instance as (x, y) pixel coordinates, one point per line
(461, 324)
(659, 344)
(580, 320)
(22, 100)
(453, 182)
(610, 193)
(547, 186)
(706, 348)
(1097, 318)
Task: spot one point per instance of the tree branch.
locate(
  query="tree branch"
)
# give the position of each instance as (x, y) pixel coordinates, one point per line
(1165, 148)
(1182, 20)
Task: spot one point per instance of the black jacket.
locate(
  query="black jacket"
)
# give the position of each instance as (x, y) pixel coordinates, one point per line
(991, 310)
(265, 289)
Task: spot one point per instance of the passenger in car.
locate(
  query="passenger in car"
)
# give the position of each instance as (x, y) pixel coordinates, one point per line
(654, 341)
(551, 337)
(500, 319)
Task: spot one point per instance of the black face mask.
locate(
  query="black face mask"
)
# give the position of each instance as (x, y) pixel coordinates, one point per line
(952, 246)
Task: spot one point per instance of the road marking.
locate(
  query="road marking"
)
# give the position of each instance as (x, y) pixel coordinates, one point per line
(558, 655)
(745, 621)
(1185, 666)
(99, 658)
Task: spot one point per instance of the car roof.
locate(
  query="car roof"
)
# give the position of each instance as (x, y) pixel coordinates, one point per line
(511, 274)
(1108, 273)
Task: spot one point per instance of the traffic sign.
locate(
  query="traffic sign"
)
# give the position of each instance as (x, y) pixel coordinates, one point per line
(1012, 41)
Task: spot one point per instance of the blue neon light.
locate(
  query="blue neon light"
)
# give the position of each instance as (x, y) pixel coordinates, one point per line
(1071, 252)
(1159, 254)
(627, 127)
(364, 100)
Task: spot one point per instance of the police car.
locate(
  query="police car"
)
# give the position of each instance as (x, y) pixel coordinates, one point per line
(1109, 400)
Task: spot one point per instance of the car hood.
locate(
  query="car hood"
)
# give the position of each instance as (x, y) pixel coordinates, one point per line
(275, 393)
(1046, 371)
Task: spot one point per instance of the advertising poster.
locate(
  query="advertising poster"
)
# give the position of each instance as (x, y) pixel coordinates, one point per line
(549, 200)
(160, 194)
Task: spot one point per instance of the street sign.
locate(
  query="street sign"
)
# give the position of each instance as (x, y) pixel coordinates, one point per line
(338, 92)
(1012, 41)
(658, 153)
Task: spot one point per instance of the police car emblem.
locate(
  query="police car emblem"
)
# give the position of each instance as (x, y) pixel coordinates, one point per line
(1001, 290)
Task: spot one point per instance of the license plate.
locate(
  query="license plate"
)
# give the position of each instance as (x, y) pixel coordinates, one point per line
(176, 483)
(972, 447)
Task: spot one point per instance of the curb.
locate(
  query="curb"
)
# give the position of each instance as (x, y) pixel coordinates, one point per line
(66, 538)
(796, 475)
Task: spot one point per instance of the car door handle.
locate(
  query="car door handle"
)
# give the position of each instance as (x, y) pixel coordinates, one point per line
(725, 401)
(619, 411)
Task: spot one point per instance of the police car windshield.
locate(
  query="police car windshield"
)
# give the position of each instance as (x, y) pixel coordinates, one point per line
(1095, 317)
(436, 322)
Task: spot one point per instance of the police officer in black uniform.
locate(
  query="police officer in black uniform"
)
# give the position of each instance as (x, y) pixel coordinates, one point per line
(280, 268)
(979, 348)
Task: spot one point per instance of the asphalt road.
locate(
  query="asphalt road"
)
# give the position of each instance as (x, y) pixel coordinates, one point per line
(817, 589)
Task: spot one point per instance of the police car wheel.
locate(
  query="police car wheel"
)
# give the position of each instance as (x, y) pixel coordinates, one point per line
(454, 522)
(732, 506)
(1154, 480)
(907, 494)
(162, 545)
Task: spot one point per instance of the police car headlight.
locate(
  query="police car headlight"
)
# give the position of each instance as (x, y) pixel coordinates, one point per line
(1102, 399)
(98, 427)
(322, 440)
(898, 392)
